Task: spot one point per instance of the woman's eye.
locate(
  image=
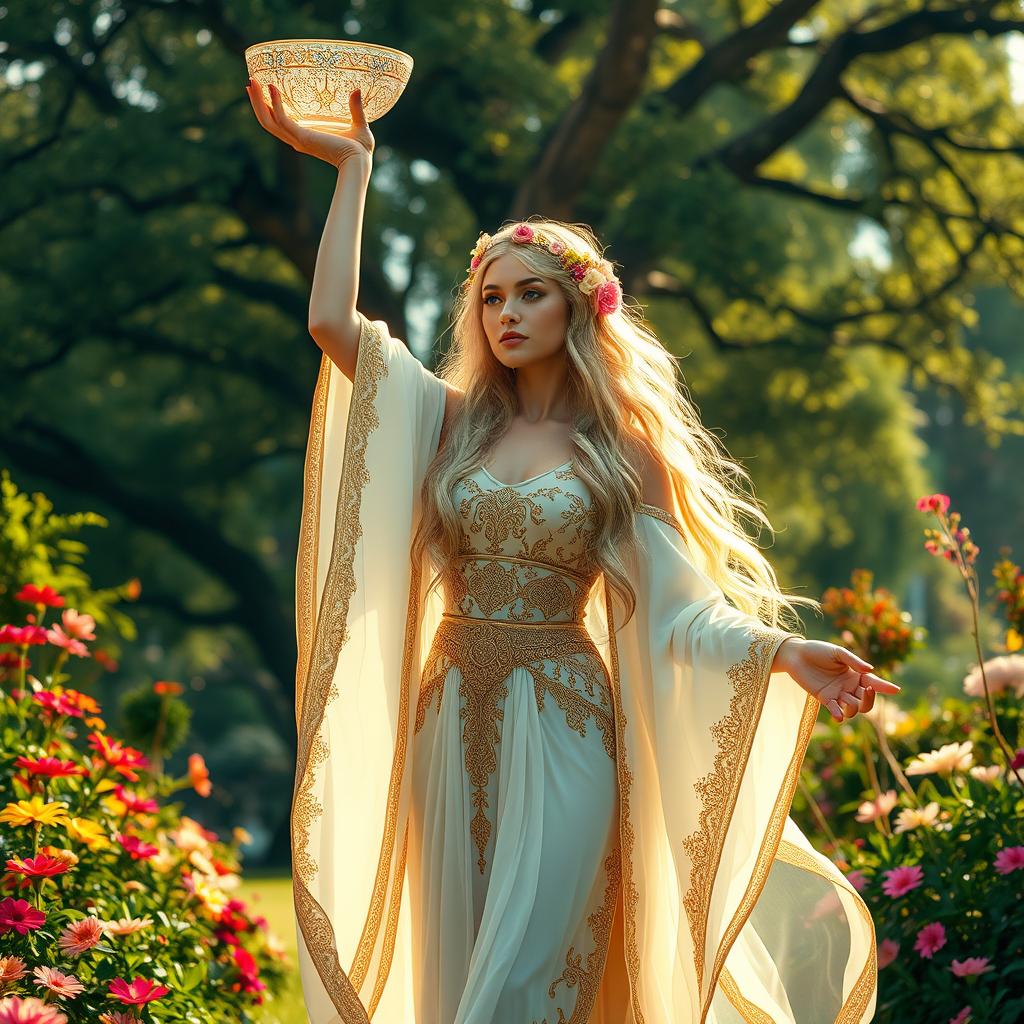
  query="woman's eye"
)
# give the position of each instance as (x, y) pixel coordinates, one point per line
(487, 299)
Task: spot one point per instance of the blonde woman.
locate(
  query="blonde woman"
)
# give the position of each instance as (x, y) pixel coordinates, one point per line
(550, 717)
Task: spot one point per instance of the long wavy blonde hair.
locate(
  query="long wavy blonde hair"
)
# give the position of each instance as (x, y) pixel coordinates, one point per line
(624, 392)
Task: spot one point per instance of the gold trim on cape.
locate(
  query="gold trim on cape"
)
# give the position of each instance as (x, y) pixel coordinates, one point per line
(330, 635)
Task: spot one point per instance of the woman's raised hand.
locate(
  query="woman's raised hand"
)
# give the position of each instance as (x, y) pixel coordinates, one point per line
(336, 148)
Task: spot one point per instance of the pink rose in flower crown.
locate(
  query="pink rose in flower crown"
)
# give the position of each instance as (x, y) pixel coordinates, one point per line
(555, 247)
(522, 233)
(577, 272)
(609, 297)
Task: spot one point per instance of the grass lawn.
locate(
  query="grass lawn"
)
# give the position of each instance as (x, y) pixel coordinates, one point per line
(271, 896)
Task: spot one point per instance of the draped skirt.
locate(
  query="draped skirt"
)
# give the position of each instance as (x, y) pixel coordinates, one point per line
(514, 860)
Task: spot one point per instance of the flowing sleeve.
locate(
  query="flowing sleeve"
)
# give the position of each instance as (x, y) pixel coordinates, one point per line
(361, 619)
(730, 915)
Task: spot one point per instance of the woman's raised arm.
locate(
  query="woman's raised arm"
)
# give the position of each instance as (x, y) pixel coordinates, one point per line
(332, 302)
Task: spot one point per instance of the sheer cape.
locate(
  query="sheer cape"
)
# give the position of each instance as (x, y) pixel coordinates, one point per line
(726, 913)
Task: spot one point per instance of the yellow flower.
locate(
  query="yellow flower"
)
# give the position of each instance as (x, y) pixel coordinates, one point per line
(35, 812)
(912, 817)
(87, 831)
(241, 835)
(213, 900)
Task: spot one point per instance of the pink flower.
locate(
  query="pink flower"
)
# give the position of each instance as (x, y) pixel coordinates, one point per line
(933, 503)
(555, 247)
(971, 966)
(59, 638)
(857, 879)
(522, 233)
(577, 272)
(930, 939)
(609, 297)
(136, 992)
(138, 849)
(81, 935)
(17, 914)
(475, 262)
(1009, 859)
(899, 881)
(119, 1017)
(872, 810)
(78, 624)
(961, 1017)
(1018, 759)
(15, 1010)
(887, 951)
(57, 982)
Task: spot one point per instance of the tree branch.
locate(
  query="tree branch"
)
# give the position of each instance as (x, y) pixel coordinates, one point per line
(575, 143)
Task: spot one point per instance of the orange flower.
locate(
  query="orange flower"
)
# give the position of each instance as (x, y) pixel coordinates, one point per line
(199, 775)
(171, 689)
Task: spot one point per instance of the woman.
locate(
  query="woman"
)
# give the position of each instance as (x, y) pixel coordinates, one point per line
(545, 766)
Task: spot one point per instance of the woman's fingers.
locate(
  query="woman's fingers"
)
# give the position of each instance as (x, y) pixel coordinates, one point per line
(355, 108)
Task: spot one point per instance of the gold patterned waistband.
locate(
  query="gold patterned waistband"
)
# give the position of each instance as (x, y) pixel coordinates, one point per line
(479, 619)
(561, 570)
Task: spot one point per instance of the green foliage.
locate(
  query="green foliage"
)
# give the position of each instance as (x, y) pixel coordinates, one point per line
(38, 544)
(154, 722)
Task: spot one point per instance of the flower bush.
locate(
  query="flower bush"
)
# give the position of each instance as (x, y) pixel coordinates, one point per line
(932, 836)
(114, 906)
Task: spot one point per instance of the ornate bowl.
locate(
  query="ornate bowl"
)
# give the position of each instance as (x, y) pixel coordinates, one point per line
(315, 77)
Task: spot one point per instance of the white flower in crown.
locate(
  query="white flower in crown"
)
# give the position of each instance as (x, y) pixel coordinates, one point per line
(592, 279)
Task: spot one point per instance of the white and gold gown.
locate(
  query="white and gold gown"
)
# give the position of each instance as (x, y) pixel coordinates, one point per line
(513, 841)
(511, 804)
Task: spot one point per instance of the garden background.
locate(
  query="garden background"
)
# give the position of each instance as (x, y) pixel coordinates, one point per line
(819, 204)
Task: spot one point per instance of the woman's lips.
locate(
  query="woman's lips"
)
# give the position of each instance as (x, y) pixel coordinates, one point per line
(514, 340)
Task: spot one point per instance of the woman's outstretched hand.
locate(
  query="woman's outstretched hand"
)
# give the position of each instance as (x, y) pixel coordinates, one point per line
(840, 681)
(336, 148)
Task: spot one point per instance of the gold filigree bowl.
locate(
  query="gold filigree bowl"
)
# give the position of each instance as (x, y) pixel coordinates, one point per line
(316, 76)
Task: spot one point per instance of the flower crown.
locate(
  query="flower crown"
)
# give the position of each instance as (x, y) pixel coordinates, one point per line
(595, 277)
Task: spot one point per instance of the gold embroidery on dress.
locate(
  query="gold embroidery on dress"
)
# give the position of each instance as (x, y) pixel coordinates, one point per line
(486, 651)
(589, 979)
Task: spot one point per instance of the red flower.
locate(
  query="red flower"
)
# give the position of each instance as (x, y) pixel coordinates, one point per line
(20, 916)
(32, 594)
(56, 703)
(22, 635)
(134, 803)
(121, 758)
(40, 866)
(51, 767)
(169, 687)
(104, 658)
(136, 847)
(933, 503)
(136, 992)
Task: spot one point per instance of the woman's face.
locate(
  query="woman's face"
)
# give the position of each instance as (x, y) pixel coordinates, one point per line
(516, 299)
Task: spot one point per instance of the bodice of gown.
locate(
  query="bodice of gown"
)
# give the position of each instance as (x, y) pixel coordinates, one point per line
(525, 550)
